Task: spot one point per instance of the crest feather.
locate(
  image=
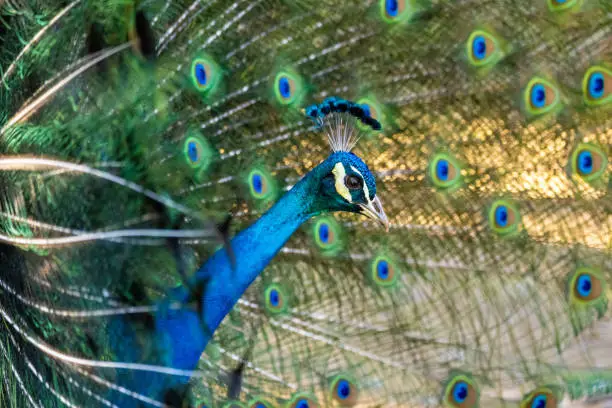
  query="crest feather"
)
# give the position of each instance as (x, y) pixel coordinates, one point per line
(339, 119)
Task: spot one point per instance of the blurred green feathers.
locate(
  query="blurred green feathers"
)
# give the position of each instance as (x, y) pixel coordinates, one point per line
(130, 130)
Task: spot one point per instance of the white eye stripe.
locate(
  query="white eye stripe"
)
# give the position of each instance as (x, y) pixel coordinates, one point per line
(339, 173)
(366, 191)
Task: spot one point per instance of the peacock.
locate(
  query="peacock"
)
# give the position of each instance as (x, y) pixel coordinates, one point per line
(305, 203)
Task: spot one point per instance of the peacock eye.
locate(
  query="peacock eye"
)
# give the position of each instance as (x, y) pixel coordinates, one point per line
(353, 182)
(561, 5)
(461, 391)
(205, 74)
(483, 49)
(589, 162)
(542, 397)
(260, 403)
(344, 391)
(586, 293)
(303, 400)
(596, 86)
(587, 286)
(541, 96)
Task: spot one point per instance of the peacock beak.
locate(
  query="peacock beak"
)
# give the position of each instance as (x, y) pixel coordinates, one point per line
(374, 210)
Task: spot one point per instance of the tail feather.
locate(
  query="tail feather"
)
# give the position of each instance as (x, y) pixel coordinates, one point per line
(131, 131)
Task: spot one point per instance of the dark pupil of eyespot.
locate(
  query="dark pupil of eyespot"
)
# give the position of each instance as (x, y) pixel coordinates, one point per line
(586, 285)
(481, 47)
(599, 84)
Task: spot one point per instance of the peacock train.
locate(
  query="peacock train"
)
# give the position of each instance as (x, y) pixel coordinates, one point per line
(305, 203)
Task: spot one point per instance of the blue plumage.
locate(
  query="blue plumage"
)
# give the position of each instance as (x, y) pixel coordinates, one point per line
(324, 233)
(334, 105)
(391, 7)
(501, 216)
(257, 183)
(539, 402)
(584, 285)
(479, 45)
(585, 162)
(442, 169)
(200, 71)
(382, 269)
(343, 389)
(184, 333)
(460, 392)
(284, 87)
(596, 85)
(538, 96)
(274, 298)
(492, 278)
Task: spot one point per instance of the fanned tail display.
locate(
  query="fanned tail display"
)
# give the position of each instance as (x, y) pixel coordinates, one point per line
(192, 194)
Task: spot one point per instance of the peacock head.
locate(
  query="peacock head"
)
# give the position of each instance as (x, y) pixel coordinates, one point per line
(345, 181)
(347, 184)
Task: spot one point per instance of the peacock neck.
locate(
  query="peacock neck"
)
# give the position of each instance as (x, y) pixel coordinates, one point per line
(180, 331)
(182, 334)
(253, 249)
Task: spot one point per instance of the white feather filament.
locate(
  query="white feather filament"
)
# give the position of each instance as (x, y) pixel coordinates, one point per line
(66, 358)
(36, 38)
(33, 164)
(341, 130)
(106, 235)
(31, 108)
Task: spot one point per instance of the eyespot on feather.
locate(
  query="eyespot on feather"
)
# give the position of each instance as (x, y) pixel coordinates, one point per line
(588, 162)
(541, 397)
(288, 87)
(326, 233)
(205, 74)
(398, 11)
(234, 404)
(541, 96)
(461, 391)
(444, 171)
(504, 217)
(383, 271)
(392, 9)
(597, 86)
(197, 151)
(260, 184)
(482, 49)
(260, 403)
(587, 297)
(586, 285)
(343, 391)
(562, 5)
(303, 400)
(275, 299)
